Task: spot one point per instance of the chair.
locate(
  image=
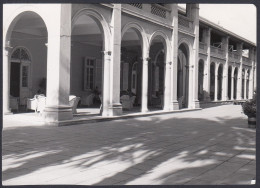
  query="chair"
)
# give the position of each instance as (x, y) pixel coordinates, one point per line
(73, 102)
(127, 101)
(32, 104)
(41, 103)
(37, 103)
(87, 100)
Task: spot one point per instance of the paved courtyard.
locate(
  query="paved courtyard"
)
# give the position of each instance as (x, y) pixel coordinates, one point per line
(210, 146)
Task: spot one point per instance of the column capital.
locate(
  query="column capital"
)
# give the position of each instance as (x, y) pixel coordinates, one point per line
(189, 66)
(106, 53)
(145, 58)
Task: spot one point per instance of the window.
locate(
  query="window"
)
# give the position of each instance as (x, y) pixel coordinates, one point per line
(25, 71)
(89, 65)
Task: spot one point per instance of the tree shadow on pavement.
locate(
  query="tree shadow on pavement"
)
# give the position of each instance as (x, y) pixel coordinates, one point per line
(150, 150)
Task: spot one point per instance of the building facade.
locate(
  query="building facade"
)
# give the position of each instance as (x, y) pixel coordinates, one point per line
(162, 54)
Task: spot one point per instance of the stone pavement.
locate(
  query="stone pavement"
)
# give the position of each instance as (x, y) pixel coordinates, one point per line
(211, 146)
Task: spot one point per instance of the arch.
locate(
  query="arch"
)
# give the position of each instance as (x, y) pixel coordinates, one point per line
(235, 82)
(101, 22)
(243, 83)
(140, 32)
(20, 49)
(187, 45)
(220, 81)
(229, 82)
(200, 79)
(19, 64)
(183, 75)
(166, 43)
(212, 80)
(16, 15)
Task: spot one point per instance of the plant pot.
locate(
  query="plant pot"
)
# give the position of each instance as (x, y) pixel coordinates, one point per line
(252, 122)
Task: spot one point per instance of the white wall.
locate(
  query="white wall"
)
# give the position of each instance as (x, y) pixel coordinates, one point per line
(38, 52)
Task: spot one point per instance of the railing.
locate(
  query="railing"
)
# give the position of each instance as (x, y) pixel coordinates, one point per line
(233, 55)
(246, 59)
(138, 5)
(220, 51)
(217, 52)
(158, 10)
(213, 49)
(202, 45)
(183, 21)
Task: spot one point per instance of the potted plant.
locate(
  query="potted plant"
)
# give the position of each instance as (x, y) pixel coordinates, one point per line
(249, 109)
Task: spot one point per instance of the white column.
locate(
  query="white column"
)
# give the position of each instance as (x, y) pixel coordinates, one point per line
(232, 83)
(195, 62)
(255, 70)
(167, 86)
(58, 67)
(225, 71)
(207, 68)
(106, 84)
(216, 82)
(144, 107)
(6, 82)
(174, 14)
(251, 89)
(239, 82)
(245, 83)
(116, 107)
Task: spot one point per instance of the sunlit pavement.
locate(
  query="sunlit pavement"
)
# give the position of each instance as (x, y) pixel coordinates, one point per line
(211, 146)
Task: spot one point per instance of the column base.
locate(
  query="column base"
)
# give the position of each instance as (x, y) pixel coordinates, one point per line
(8, 113)
(144, 110)
(116, 109)
(174, 105)
(54, 114)
(196, 104)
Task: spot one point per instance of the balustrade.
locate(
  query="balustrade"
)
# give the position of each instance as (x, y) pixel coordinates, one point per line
(137, 5)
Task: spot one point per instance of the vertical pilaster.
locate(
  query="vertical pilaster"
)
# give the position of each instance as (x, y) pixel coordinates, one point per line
(105, 110)
(232, 83)
(58, 67)
(252, 74)
(225, 70)
(207, 68)
(195, 54)
(167, 83)
(245, 83)
(116, 107)
(239, 82)
(144, 107)
(216, 82)
(255, 69)
(174, 70)
(6, 82)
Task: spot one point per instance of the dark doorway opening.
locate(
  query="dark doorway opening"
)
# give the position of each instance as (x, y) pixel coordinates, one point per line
(15, 79)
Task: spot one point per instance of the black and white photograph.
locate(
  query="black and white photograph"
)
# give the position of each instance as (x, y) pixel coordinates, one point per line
(129, 94)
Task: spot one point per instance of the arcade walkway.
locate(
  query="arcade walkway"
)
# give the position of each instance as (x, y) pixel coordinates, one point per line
(210, 146)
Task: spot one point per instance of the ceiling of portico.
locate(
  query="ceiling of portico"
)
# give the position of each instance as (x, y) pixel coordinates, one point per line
(30, 23)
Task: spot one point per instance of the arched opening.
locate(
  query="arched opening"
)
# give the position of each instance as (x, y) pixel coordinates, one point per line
(212, 81)
(27, 37)
(131, 70)
(243, 84)
(183, 76)
(87, 45)
(235, 82)
(156, 73)
(220, 80)
(201, 80)
(247, 83)
(229, 82)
